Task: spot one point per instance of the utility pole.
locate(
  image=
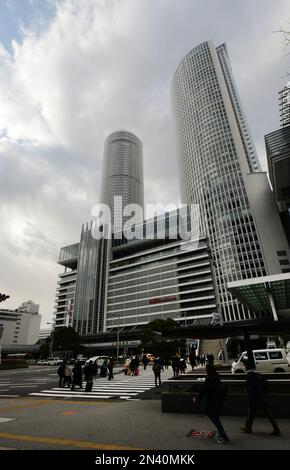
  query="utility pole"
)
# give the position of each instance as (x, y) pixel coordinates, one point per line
(118, 337)
(223, 340)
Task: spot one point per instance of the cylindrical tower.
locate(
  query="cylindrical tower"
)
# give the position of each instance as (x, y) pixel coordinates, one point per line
(213, 163)
(122, 172)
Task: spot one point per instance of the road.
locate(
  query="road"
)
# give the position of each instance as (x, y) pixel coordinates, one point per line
(53, 421)
(37, 423)
(42, 381)
(21, 382)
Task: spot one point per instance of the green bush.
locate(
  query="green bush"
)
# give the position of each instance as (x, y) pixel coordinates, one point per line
(13, 364)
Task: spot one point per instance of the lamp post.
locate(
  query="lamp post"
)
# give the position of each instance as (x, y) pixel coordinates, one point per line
(118, 342)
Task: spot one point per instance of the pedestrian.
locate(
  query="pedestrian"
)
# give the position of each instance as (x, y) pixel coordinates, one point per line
(103, 371)
(126, 367)
(182, 365)
(88, 373)
(111, 368)
(60, 372)
(214, 395)
(157, 371)
(145, 361)
(175, 365)
(256, 387)
(167, 362)
(77, 376)
(134, 364)
(192, 360)
(95, 369)
(68, 375)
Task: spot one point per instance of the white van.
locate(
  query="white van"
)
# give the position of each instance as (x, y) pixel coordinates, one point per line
(266, 360)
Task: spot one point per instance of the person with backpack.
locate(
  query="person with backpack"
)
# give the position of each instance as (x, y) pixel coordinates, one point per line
(214, 394)
(257, 388)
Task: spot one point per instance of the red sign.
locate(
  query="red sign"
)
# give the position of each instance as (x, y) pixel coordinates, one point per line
(159, 300)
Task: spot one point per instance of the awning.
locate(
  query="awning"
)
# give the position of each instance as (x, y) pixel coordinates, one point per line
(264, 294)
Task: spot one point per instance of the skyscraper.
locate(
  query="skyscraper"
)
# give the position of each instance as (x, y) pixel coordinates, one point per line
(278, 155)
(284, 99)
(122, 173)
(219, 170)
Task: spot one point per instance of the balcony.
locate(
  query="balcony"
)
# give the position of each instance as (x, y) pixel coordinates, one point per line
(68, 256)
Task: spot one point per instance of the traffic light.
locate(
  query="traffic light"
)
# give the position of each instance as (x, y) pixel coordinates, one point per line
(4, 297)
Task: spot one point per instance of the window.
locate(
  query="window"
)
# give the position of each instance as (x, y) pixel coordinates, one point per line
(261, 356)
(275, 355)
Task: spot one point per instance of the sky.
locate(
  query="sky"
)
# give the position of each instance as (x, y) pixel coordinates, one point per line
(72, 72)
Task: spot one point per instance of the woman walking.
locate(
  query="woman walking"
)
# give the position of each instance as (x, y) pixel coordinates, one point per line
(213, 393)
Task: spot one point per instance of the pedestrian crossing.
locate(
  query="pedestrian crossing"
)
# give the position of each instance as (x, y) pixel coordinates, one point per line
(121, 387)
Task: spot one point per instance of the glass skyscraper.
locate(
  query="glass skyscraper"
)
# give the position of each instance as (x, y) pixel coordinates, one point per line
(216, 155)
(122, 173)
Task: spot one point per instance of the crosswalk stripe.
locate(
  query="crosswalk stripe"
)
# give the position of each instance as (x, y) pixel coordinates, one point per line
(122, 387)
(99, 392)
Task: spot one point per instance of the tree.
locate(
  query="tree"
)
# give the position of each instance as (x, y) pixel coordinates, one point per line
(154, 337)
(44, 348)
(67, 339)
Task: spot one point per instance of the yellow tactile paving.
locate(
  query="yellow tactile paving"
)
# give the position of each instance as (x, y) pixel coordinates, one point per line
(64, 442)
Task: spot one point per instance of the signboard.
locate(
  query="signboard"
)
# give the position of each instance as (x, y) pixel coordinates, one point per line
(159, 300)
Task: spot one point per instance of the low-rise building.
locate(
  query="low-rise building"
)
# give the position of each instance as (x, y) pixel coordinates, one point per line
(20, 328)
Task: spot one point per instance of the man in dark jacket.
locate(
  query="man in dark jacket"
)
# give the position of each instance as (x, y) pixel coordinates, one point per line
(111, 368)
(88, 373)
(256, 390)
(77, 376)
(212, 391)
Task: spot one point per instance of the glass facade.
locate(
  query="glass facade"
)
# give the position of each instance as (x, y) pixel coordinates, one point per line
(213, 161)
(122, 173)
(88, 315)
(170, 280)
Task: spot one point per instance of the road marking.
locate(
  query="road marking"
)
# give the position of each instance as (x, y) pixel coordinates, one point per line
(4, 420)
(27, 405)
(73, 395)
(65, 442)
(52, 402)
(9, 396)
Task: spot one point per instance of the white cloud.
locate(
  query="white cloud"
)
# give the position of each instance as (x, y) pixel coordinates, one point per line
(95, 67)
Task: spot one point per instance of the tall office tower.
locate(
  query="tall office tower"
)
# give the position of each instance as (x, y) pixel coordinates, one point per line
(122, 173)
(278, 155)
(284, 100)
(248, 143)
(217, 172)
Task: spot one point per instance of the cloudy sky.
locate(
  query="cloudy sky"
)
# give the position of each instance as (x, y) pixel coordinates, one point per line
(72, 72)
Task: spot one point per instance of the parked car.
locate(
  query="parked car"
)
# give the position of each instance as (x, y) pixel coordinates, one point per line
(54, 361)
(99, 359)
(42, 362)
(266, 360)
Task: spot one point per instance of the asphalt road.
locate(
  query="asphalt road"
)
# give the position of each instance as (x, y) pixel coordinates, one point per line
(37, 423)
(20, 382)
